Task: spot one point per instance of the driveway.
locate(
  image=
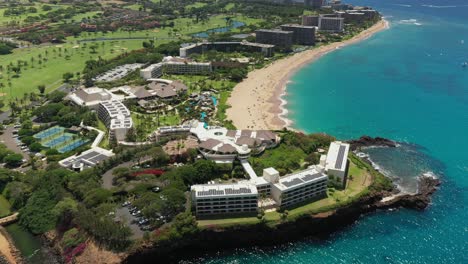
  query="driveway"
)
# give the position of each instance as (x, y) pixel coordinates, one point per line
(108, 177)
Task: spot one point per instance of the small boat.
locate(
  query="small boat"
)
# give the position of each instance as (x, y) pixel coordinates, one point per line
(465, 64)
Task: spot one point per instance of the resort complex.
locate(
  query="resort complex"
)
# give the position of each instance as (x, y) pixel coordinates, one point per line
(132, 125)
(287, 191)
(220, 144)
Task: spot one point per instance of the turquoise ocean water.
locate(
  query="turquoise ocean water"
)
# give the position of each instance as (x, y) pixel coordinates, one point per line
(406, 84)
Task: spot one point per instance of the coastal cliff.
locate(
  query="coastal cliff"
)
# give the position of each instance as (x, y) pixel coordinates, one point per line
(366, 141)
(316, 226)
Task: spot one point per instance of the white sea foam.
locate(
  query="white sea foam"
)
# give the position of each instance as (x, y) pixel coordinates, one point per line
(411, 21)
(284, 111)
(430, 174)
(436, 6)
(403, 5)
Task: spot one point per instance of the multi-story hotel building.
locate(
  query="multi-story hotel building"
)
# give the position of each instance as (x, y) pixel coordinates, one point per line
(212, 199)
(180, 67)
(298, 187)
(280, 38)
(311, 21)
(302, 35)
(152, 71)
(315, 3)
(173, 65)
(332, 24)
(226, 46)
(116, 116)
(336, 161)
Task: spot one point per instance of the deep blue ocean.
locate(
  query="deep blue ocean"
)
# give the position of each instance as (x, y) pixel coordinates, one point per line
(406, 84)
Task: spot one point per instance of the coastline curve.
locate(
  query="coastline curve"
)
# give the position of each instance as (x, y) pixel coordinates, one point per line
(258, 101)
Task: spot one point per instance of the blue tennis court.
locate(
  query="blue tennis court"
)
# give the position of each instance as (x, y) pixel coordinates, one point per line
(58, 140)
(72, 145)
(49, 132)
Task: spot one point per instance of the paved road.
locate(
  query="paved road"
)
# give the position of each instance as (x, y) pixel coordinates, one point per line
(108, 177)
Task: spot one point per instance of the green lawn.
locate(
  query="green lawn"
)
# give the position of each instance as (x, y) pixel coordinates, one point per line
(4, 19)
(4, 206)
(195, 5)
(50, 72)
(105, 141)
(79, 17)
(229, 6)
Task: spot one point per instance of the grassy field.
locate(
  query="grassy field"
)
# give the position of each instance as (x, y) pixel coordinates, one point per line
(195, 5)
(50, 72)
(4, 206)
(38, 6)
(360, 181)
(105, 141)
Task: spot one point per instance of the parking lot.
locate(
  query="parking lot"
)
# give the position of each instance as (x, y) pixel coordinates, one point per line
(123, 214)
(133, 217)
(12, 142)
(118, 72)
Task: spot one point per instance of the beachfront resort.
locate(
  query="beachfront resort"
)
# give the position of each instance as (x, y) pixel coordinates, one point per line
(162, 122)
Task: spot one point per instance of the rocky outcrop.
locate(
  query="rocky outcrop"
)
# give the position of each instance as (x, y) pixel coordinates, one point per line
(316, 226)
(427, 187)
(366, 141)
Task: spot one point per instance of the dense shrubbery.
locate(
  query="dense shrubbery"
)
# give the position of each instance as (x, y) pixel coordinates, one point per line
(65, 115)
(6, 47)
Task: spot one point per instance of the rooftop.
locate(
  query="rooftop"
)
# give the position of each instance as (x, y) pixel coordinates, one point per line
(337, 155)
(296, 26)
(301, 178)
(279, 31)
(89, 158)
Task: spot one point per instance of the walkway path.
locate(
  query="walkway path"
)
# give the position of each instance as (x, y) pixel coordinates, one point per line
(9, 219)
(99, 137)
(248, 169)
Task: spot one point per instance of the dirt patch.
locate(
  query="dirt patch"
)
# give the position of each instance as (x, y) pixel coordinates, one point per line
(95, 254)
(3, 94)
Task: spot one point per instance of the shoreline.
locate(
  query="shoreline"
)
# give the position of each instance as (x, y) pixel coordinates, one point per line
(8, 249)
(258, 101)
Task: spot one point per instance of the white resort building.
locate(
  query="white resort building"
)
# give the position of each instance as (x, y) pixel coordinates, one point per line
(209, 199)
(90, 97)
(220, 144)
(336, 160)
(287, 191)
(176, 65)
(298, 187)
(86, 159)
(116, 117)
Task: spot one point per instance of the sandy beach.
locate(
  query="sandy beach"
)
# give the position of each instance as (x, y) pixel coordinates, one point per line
(256, 101)
(7, 250)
